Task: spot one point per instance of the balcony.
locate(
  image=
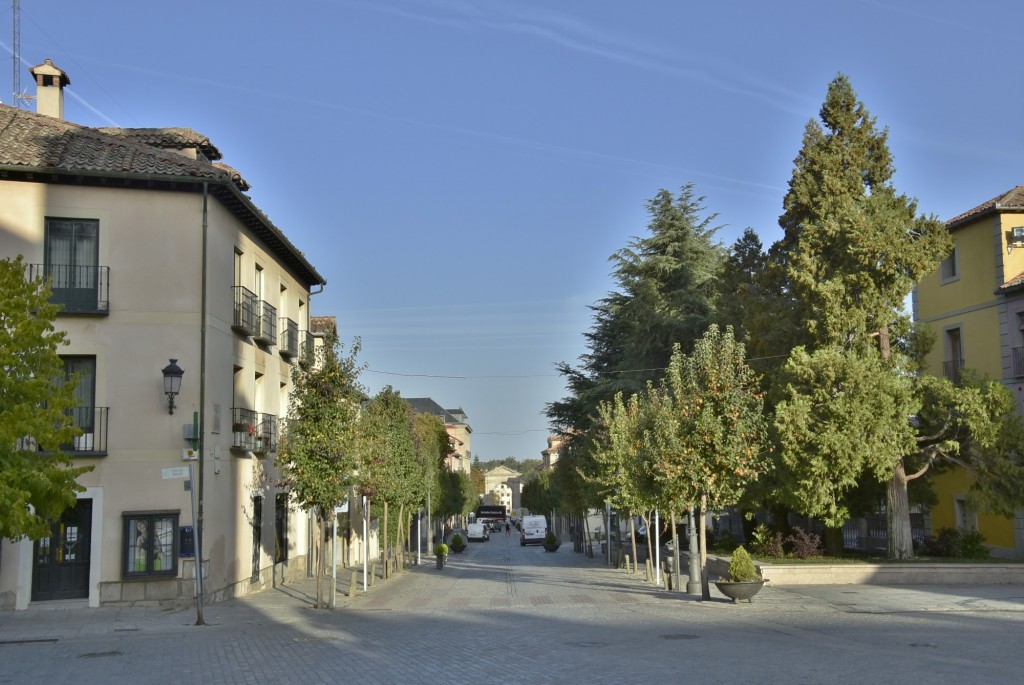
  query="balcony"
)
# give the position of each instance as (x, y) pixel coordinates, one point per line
(91, 443)
(1017, 361)
(246, 318)
(77, 289)
(951, 370)
(252, 431)
(266, 333)
(93, 440)
(289, 338)
(306, 345)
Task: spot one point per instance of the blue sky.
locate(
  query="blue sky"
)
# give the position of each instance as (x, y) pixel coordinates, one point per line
(460, 171)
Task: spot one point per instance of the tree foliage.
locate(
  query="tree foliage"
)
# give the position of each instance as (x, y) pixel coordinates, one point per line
(317, 457)
(37, 480)
(318, 454)
(666, 284)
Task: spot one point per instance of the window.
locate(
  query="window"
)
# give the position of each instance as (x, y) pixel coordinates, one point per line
(150, 544)
(949, 269)
(84, 368)
(954, 355)
(280, 527)
(72, 261)
(965, 518)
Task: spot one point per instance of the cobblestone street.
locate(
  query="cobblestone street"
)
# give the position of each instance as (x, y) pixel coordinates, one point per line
(501, 613)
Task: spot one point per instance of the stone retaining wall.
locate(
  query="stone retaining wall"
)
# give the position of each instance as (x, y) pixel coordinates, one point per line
(915, 573)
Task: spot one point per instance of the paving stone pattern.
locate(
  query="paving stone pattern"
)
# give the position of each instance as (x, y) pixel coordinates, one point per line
(501, 613)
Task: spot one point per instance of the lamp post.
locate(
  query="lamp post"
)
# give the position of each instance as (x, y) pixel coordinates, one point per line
(172, 383)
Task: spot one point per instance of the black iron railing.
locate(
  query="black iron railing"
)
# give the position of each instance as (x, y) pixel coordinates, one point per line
(267, 333)
(253, 431)
(247, 309)
(78, 289)
(951, 369)
(1017, 361)
(289, 338)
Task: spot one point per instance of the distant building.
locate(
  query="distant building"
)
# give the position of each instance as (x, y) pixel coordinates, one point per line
(504, 486)
(551, 454)
(459, 431)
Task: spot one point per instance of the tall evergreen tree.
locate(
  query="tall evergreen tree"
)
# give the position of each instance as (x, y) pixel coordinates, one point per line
(851, 252)
(35, 410)
(666, 290)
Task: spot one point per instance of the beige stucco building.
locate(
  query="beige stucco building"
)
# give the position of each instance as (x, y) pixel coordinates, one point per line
(157, 254)
(458, 429)
(503, 486)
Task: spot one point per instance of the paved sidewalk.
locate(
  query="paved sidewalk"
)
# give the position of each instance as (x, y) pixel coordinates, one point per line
(424, 588)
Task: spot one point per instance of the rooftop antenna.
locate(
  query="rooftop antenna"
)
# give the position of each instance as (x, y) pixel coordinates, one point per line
(18, 97)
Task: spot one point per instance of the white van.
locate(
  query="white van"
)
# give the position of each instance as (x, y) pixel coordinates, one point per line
(533, 529)
(477, 532)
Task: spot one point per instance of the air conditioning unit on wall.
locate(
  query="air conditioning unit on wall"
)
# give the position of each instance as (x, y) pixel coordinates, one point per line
(1016, 238)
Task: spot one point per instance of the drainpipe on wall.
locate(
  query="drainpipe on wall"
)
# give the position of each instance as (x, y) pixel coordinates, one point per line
(202, 418)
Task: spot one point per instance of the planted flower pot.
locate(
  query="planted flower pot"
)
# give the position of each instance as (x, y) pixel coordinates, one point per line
(742, 589)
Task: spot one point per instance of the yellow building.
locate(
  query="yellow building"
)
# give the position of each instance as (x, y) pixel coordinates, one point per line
(974, 303)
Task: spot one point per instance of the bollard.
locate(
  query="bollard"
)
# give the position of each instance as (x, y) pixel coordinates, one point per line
(353, 584)
(648, 571)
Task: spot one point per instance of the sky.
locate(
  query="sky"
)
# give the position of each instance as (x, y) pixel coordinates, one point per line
(460, 171)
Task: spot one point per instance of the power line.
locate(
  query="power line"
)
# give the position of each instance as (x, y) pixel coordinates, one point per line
(535, 375)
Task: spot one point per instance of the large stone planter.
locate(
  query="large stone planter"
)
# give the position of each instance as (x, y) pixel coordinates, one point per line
(552, 546)
(737, 590)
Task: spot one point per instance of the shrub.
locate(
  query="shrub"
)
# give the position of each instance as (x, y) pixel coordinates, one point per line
(972, 545)
(725, 541)
(457, 540)
(766, 542)
(804, 545)
(550, 538)
(742, 568)
(441, 550)
(956, 543)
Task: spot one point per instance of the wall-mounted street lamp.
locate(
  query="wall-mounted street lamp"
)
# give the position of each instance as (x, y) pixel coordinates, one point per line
(172, 382)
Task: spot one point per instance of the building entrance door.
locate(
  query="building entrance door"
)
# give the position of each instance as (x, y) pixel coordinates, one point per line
(61, 562)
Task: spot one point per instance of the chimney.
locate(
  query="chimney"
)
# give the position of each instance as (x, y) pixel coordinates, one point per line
(50, 82)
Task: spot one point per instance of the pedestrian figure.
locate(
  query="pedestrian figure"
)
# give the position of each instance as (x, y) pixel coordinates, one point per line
(508, 529)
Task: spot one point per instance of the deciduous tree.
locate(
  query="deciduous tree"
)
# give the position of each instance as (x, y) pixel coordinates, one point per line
(37, 479)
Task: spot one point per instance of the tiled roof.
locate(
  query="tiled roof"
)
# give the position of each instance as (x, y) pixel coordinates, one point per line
(33, 140)
(49, 150)
(425, 405)
(166, 138)
(1012, 199)
(323, 325)
(1015, 283)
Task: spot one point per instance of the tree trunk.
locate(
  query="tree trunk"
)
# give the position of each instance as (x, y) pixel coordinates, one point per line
(705, 587)
(833, 541)
(385, 562)
(318, 558)
(675, 554)
(399, 530)
(901, 541)
(632, 537)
